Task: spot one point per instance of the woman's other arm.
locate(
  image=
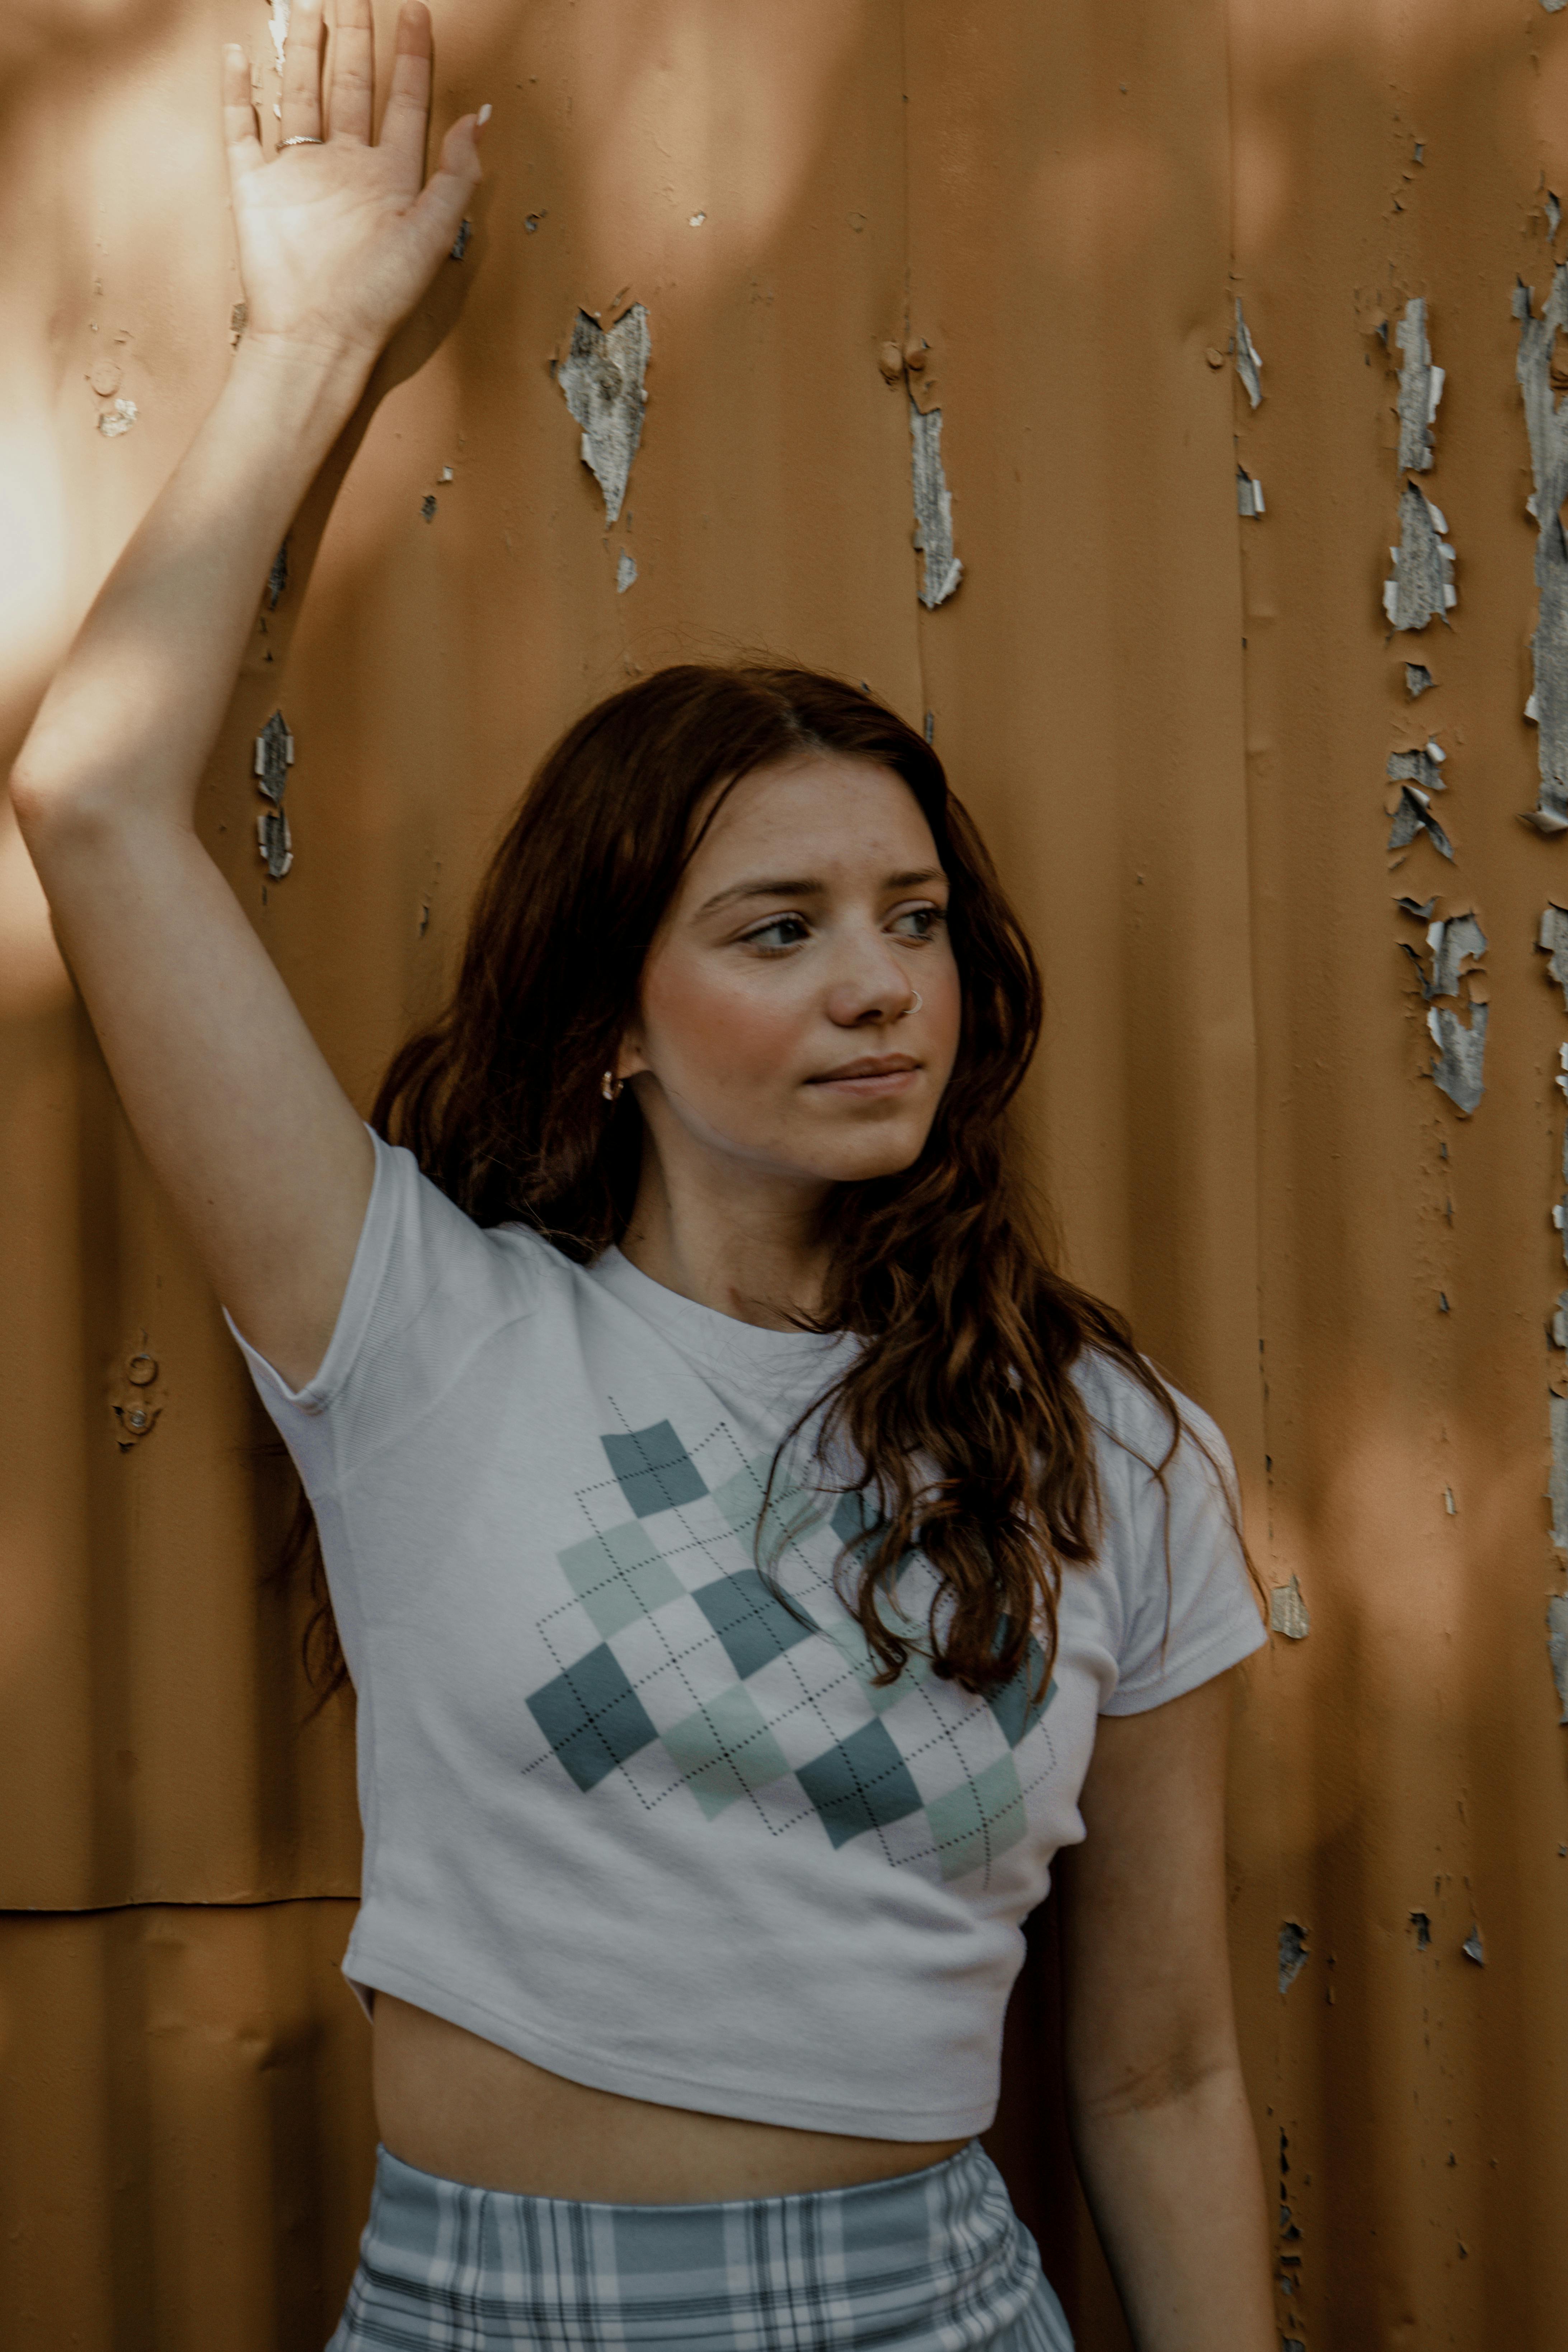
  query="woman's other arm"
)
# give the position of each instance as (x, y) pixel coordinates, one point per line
(1156, 2103)
(231, 1100)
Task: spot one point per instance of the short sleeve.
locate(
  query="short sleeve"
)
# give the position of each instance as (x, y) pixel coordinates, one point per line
(425, 1286)
(1187, 1605)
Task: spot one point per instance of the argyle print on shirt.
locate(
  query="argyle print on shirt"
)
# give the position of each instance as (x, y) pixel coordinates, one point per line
(683, 1670)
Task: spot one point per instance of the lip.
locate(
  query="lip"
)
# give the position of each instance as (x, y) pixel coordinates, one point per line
(871, 1075)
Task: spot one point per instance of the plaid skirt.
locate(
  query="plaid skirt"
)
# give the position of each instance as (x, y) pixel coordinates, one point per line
(930, 2261)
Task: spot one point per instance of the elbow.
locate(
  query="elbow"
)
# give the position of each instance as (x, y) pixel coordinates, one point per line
(59, 814)
(27, 798)
(46, 804)
(1176, 2076)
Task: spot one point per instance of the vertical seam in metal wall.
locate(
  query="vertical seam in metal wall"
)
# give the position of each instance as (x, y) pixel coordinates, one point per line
(904, 104)
(1274, 2083)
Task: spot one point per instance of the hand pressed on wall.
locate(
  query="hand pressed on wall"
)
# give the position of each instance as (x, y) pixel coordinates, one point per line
(338, 239)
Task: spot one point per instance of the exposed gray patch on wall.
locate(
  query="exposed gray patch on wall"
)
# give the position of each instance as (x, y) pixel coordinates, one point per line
(1557, 1487)
(1422, 582)
(460, 242)
(118, 419)
(1552, 6)
(1248, 364)
(1423, 766)
(1287, 1612)
(1420, 390)
(1422, 1923)
(1553, 942)
(601, 377)
(1457, 946)
(625, 572)
(933, 508)
(1293, 1953)
(1411, 810)
(1557, 1648)
(277, 578)
(1548, 430)
(1417, 678)
(1458, 1065)
(1249, 493)
(1473, 1947)
(274, 758)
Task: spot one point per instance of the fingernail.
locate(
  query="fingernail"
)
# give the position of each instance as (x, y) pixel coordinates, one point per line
(482, 117)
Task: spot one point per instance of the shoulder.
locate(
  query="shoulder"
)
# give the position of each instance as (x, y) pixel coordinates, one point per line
(429, 1261)
(1136, 1444)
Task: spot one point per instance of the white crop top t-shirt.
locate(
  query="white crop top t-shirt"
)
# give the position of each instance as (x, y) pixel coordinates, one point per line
(627, 1814)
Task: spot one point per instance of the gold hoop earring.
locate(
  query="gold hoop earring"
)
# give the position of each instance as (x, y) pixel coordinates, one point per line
(610, 1086)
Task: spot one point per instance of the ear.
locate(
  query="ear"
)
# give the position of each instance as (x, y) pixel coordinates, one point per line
(630, 1055)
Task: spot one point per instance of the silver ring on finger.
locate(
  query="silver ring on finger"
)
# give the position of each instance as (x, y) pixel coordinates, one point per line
(302, 139)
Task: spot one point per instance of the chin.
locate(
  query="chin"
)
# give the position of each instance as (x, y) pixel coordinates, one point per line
(861, 1159)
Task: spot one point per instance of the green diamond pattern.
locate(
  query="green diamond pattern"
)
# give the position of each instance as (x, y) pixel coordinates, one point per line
(726, 1749)
(851, 1642)
(974, 1824)
(618, 1577)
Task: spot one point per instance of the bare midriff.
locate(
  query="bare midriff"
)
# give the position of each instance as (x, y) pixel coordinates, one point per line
(449, 2102)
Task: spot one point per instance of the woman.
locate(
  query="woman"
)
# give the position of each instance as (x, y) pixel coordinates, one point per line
(755, 1561)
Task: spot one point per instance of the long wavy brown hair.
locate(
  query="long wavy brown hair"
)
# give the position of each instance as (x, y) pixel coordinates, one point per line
(973, 1441)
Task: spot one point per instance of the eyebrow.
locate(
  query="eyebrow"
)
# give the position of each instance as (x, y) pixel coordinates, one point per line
(800, 888)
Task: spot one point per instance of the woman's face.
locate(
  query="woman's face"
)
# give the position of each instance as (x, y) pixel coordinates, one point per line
(800, 1007)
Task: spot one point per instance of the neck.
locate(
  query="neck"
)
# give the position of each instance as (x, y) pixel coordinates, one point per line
(748, 1245)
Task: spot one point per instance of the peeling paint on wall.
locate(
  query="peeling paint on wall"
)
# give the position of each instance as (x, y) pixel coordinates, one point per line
(113, 422)
(1411, 809)
(625, 572)
(1287, 1612)
(933, 508)
(1420, 390)
(1456, 944)
(601, 377)
(1548, 433)
(1557, 1648)
(1417, 678)
(1249, 493)
(277, 578)
(1248, 360)
(1557, 1485)
(1457, 1066)
(1422, 582)
(274, 758)
(1553, 942)
(1423, 766)
(1474, 1948)
(1293, 1953)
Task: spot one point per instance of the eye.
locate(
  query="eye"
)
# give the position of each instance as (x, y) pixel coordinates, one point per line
(920, 922)
(774, 937)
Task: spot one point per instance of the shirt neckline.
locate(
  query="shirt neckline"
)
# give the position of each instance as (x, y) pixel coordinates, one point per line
(720, 1339)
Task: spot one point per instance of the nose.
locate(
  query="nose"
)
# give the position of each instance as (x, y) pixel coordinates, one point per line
(872, 988)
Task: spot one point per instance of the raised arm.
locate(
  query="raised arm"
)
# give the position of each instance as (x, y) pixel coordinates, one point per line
(230, 1099)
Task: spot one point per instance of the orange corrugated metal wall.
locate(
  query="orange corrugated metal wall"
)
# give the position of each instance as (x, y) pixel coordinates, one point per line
(1174, 724)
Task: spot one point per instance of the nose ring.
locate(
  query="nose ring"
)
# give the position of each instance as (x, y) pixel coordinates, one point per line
(915, 1007)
